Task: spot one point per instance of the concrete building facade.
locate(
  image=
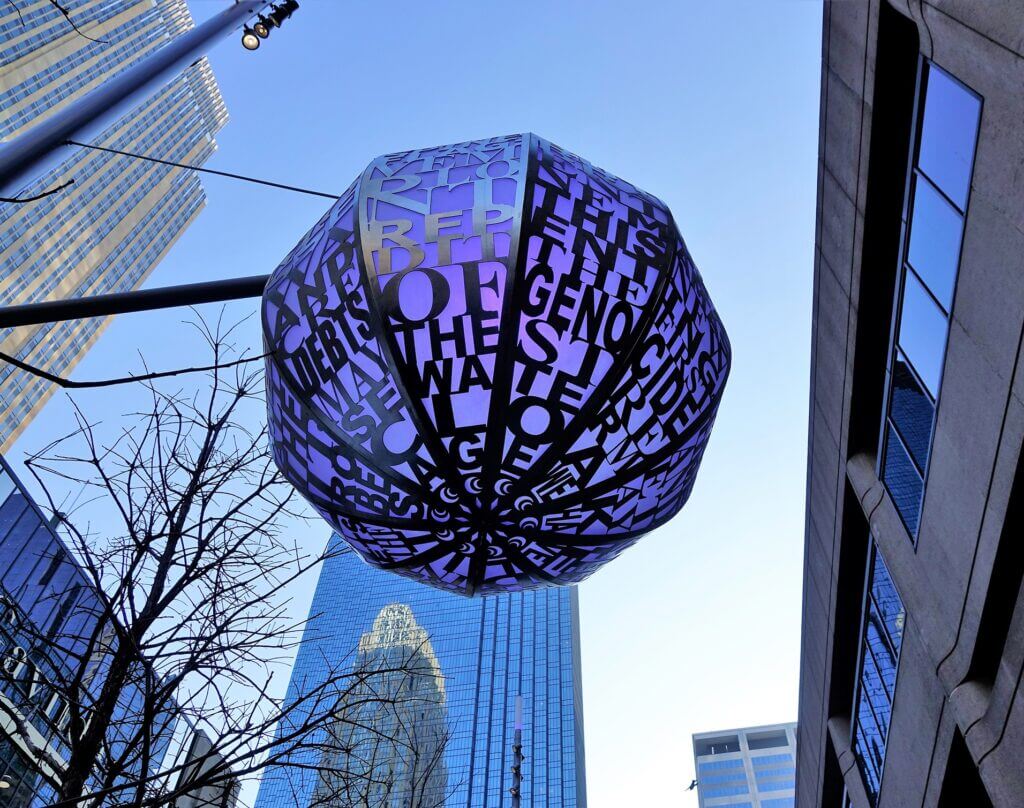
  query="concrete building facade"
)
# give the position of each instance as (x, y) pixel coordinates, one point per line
(752, 767)
(109, 229)
(913, 616)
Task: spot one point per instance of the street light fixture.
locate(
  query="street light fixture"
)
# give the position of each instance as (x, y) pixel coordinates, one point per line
(262, 27)
(249, 39)
(282, 11)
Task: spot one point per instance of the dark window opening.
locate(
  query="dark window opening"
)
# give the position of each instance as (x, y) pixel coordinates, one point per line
(961, 784)
(722, 745)
(891, 135)
(1004, 587)
(766, 740)
(833, 791)
(853, 559)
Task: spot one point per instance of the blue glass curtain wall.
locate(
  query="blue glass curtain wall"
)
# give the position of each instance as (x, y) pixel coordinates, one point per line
(881, 638)
(48, 609)
(938, 187)
(487, 651)
(41, 589)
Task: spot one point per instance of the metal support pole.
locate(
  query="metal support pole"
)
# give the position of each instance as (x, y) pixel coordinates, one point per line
(35, 152)
(165, 297)
(517, 756)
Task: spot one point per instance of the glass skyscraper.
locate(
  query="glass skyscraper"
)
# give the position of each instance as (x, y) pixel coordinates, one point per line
(48, 607)
(110, 228)
(465, 661)
(43, 588)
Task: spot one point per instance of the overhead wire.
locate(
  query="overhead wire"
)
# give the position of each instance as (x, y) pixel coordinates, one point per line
(68, 383)
(203, 170)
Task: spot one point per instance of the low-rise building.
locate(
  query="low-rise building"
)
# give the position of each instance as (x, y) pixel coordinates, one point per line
(753, 767)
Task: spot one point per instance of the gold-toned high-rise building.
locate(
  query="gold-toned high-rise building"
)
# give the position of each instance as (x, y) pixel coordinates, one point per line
(108, 230)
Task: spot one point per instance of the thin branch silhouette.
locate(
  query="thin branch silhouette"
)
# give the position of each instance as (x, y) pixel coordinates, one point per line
(180, 617)
(22, 200)
(70, 384)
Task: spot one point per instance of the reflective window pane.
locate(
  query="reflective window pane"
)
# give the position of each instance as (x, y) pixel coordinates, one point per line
(881, 637)
(903, 481)
(873, 686)
(10, 512)
(486, 652)
(776, 785)
(922, 335)
(948, 132)
(868, 746)
(935, 232)
(911, 411)
(726, 791)
(887, 603)
(6, 485)
(735, 778)
(765, 760)
(882, 656)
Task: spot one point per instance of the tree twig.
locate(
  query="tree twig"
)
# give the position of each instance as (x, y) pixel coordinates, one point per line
(37, 197)
(17, 10)
(73, 385)
(71, 22)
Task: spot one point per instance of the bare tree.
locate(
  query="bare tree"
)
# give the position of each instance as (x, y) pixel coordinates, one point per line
(183, 620)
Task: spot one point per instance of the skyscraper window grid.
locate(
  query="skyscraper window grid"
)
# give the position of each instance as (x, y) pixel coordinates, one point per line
(489, 650)
(108, 230)
(48, 610)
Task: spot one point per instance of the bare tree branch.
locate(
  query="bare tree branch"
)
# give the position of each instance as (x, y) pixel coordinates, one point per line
(17, 10)
(71, 22)
(182, 621)
(70, 384)
(36, 197)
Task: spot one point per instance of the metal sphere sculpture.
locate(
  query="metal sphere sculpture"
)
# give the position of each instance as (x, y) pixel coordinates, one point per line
(492, 365)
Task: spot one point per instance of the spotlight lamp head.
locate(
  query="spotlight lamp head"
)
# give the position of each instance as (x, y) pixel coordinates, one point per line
(262, 27)
(249, 39)
(282, 11)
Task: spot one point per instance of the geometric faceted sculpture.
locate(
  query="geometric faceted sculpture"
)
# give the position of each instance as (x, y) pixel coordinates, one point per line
(493, 366)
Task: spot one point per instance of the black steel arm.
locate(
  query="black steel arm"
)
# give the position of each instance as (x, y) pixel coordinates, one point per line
(77, 308)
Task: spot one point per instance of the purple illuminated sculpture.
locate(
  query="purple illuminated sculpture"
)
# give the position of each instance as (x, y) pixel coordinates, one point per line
(494, 365)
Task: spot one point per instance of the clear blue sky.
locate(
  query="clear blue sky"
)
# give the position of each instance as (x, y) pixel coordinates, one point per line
(713, 107)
